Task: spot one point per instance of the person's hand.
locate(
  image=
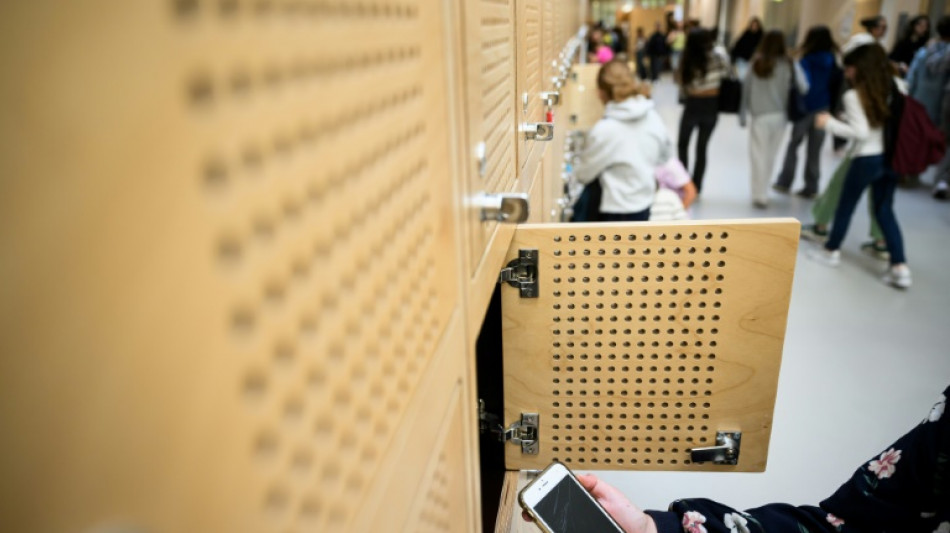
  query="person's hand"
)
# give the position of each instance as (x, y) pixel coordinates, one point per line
(626, 514)
(821, 119)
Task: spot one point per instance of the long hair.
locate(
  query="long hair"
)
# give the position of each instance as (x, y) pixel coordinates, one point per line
(910, 27)
(618, 83)
(695, 60)
(818, 39)
(770, 50)
(872, 22)
(758, 24)
(873, 77)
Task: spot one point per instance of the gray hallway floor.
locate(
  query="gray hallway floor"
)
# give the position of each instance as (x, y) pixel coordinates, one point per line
(863, 362)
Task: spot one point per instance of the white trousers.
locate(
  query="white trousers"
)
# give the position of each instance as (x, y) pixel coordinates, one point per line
(765, 137)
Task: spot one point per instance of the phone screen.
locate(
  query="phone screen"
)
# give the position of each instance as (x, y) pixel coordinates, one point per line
(568, 508)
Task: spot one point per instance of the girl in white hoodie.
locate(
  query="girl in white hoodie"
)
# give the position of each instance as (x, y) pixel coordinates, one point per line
(624, 148)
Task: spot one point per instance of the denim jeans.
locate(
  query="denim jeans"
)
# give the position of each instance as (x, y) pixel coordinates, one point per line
(869, 171)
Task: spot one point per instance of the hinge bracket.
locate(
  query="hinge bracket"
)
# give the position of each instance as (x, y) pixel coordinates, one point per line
(522, 273)
(525, 433)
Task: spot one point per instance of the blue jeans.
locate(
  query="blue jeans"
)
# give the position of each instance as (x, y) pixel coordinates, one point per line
(864, 171)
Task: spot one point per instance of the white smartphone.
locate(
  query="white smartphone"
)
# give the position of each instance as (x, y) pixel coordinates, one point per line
(559, 504)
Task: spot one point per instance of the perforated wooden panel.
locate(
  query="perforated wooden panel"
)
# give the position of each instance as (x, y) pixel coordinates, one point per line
(440, 504)
(228, 261)
(647, 339)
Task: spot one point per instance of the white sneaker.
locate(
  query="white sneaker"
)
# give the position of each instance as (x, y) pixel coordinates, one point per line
(830, 258)
(898, 276)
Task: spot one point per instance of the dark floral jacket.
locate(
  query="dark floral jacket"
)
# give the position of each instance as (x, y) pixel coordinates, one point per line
(905, 489)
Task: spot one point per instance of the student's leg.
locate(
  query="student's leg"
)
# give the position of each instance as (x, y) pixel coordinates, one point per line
(863, 170)
(787, 175)
(687, 123)
(707, 123)
(823, 210)
(757, 169)
(816, 137)
(883, 190)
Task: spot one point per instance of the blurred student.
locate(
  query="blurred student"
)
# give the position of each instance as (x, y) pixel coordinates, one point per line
(765, 97)
(824, 78)
(624, 148)
(868, 111)
(700, 75)
(927, 81)
(914, 37)
(745, 46)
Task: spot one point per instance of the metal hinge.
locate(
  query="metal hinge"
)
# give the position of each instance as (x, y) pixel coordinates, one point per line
(523, 432)
(522, 273)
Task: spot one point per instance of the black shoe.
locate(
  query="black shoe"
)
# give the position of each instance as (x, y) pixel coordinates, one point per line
(808, 195)
(780, 188)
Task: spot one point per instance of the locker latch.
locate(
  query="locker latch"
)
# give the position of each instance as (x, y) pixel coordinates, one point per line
(523, 432)
(538, 131)
(522, 273)
(551, 98)
(725, 452)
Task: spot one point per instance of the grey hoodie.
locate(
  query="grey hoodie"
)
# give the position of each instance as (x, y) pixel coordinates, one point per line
(623, 149)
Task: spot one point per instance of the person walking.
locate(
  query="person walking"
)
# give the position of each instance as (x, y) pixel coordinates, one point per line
(624, 148)
(741, 53)
(676, 41)
(928, 76)
(871, 106)
(765, 97)
(818, 62)
(656, 50)
(700, 74)
(640, 53)
(913, 38)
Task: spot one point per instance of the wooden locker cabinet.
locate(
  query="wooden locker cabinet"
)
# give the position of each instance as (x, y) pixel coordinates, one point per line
(647, 339)
(489, 151)
(231, 278)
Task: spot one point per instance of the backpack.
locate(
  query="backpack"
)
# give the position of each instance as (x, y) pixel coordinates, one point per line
(919, 143)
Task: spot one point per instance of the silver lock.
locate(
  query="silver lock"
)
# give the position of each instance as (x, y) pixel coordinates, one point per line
(537, 131)
(725, 452)
(508, 207)
(551, 98)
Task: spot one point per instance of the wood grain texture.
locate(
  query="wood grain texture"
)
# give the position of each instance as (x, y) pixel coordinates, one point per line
(647, 339)
(583, 109)
(230, 271)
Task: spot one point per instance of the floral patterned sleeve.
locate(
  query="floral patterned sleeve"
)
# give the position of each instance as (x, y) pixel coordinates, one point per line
(905, 489)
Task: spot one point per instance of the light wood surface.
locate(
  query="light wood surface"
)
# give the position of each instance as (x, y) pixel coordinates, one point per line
(509, 514)
(583, 108)
(490, 107)
(231, 269)
(647, 339)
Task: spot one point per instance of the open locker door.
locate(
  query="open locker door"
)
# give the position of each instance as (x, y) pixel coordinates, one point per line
(626, 346)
